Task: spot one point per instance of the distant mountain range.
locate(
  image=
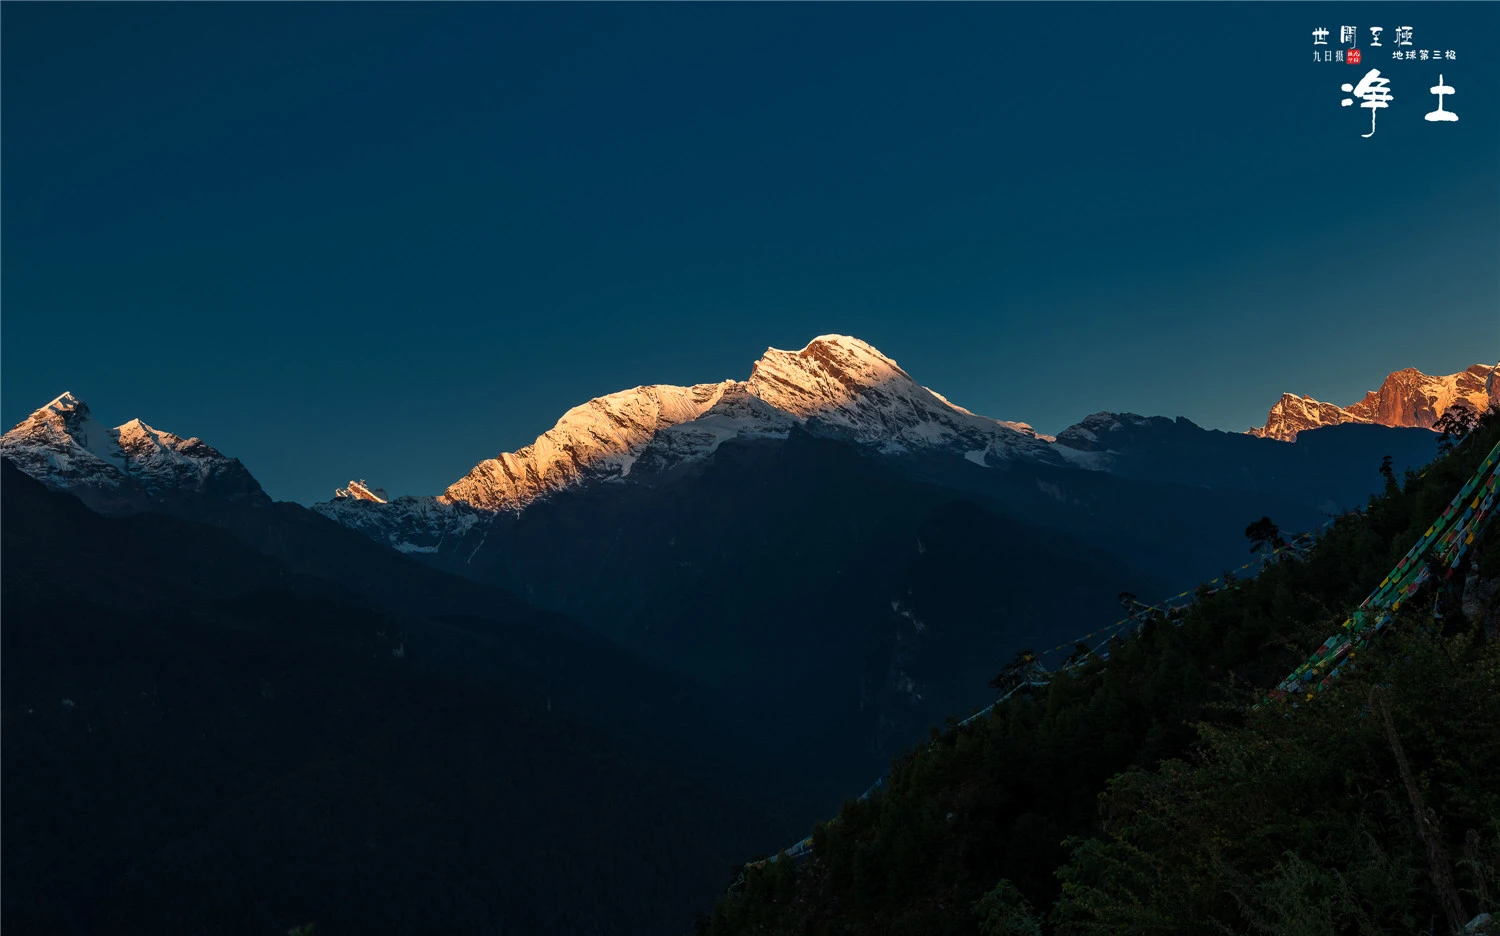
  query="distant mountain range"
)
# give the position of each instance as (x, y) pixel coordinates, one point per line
(841, 388)
(828, 538)
(836, 387)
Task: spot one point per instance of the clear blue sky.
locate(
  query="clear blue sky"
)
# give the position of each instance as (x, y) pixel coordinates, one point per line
(390, 240)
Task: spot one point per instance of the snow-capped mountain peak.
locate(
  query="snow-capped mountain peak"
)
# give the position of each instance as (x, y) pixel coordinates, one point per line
(64, 446)
(839, 374)
(845, 387)
(836, 385)
(68, 432)
(829, 373)
(65, 403)
(135, 437)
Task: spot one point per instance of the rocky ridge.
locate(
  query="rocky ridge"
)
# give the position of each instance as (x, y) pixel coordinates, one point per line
(1407, 398)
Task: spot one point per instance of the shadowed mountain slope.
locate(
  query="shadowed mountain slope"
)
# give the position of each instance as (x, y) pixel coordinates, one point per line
(196, 738)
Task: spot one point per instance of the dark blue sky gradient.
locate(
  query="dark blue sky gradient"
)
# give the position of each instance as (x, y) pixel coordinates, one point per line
(390, 240)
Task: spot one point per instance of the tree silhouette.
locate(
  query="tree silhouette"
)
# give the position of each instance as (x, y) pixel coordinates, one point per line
(1387, 472)
(1014, 672)
(1263, 532)
(1081, 652)
(1455, 426)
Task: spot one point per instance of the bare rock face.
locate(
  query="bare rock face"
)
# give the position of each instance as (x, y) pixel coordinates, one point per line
(1292, 414)
(124, 468)
(1407, 398)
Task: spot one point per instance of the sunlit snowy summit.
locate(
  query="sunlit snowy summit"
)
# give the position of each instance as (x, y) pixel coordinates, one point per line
(836, 387)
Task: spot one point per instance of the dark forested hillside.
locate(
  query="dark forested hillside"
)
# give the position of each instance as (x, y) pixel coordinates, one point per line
(845, 593)
(197, 740)
(1135, 794)
(487, 634)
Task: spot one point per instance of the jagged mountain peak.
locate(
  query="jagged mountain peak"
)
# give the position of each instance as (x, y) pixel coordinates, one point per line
(827, 373)
(1406, 397)
(361, 490)
(138, 432)
(64, 421)
(832, 344)
(66, 402)
(845, 387)
(64, 446)
(66, 407)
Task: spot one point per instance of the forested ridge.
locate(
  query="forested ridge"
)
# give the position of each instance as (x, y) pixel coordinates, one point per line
(1143, 793)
